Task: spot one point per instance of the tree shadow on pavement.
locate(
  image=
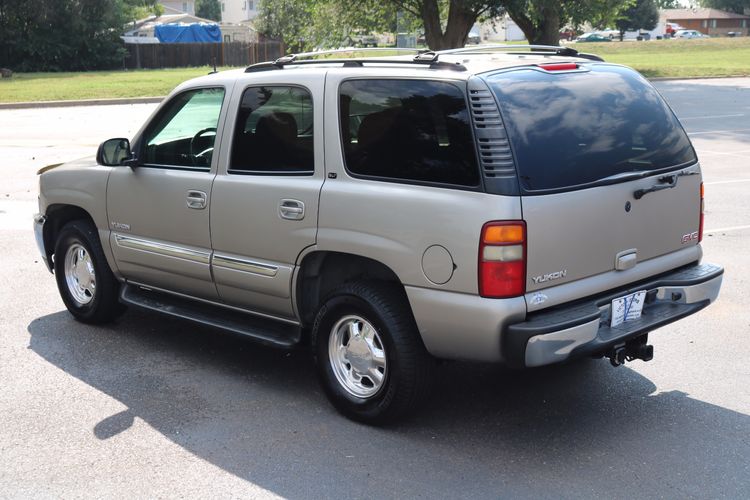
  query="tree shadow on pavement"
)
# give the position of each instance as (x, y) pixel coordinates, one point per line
(575, 430)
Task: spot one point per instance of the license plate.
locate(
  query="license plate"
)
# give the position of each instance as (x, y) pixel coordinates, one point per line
(627, 308)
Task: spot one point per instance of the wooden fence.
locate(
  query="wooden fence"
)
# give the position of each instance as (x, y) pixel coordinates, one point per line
(181, 55)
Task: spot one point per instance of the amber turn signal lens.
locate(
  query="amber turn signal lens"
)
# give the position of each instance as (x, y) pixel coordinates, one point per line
(503, 234)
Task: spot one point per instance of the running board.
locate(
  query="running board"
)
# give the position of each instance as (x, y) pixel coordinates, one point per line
(264, 330)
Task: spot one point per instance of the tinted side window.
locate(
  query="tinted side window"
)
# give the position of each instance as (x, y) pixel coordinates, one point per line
(411, 130)
(183, 134)
(274, 132)
(570, 129)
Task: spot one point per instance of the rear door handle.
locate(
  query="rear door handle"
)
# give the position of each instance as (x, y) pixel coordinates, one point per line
(291, 210)
(196, 200)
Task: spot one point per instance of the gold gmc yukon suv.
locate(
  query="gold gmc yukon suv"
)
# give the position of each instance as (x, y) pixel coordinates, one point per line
(517, 205)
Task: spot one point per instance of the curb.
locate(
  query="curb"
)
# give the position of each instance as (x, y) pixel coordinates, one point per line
(81, 102)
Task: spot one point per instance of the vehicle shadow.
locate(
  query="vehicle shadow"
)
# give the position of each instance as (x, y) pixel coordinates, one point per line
(574, 430)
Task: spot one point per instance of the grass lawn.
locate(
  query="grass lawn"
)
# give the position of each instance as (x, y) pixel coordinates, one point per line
(678, 58)
(94, 84)
(656, 58)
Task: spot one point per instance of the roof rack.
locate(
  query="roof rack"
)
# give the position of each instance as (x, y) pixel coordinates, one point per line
(422, 56)
(508, 48)
(299, 60)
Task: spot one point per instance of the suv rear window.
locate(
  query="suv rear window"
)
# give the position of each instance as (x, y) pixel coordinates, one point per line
(568, 130)
(410, 130)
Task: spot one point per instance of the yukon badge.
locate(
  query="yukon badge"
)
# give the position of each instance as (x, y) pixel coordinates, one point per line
(120, 226)
(550, 276)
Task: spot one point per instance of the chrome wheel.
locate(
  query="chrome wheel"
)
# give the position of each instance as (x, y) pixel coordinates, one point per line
(79, 274)
(357, 356)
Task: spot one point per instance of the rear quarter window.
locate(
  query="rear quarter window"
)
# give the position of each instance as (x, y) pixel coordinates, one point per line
(568, 130)
(408, 130)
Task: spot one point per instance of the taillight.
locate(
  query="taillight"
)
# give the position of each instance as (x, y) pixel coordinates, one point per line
(502, 259)
(700, 223)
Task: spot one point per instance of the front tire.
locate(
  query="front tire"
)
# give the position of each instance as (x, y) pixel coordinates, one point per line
(370, 358)
(84, 279)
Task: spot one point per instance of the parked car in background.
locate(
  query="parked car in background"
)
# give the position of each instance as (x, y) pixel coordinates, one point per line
(609, 33)
(361, 39)
(568, 34)
(672, 28)
(690, 34)
(474, 37)
(593, 37)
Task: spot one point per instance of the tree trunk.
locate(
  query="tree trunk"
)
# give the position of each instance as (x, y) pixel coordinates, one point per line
(460, 21)
(546, 31)
(549, 32)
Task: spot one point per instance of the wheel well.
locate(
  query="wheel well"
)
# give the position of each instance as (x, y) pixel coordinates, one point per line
(57, 217)
(321, 272)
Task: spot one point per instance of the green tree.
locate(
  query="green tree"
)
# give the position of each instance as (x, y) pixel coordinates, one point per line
(668, 4)
(643, 15)
(541, 20)
(208, 9)
(56, 35)
(305, 24)
(286, 20)
(134, 10)
(447, 22)
(736, 6)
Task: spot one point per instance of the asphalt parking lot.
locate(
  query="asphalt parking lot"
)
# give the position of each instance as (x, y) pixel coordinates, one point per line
(154, 407)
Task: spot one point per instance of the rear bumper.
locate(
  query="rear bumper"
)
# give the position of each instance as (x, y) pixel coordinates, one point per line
(583, 327)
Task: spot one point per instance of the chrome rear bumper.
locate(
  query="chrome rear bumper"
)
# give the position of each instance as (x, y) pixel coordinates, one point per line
(583, 328)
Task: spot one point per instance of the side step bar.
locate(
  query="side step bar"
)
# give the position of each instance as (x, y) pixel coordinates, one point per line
(263, 330)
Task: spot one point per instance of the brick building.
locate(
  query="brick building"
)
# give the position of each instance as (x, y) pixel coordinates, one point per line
(713, 22)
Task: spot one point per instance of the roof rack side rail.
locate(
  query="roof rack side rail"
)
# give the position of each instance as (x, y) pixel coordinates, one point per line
(496, 46)
(301, 55)
(280, 63)
(292, 58)
(553, 49)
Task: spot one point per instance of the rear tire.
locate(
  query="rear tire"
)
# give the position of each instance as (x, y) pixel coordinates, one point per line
(87, 286)
(370, 358)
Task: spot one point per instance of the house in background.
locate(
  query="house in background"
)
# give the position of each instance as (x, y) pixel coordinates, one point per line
(143, 31)
(238, 11)
(500, 29)
(713, 22)
(178, 7)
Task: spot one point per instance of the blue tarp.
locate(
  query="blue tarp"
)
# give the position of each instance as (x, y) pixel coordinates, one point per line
(188, 33)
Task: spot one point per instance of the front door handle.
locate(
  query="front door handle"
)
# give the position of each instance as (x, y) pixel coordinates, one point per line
(196, 200)
(291, 210)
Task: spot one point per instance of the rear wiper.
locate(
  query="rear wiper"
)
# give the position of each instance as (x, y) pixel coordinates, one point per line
(621, 177)
(664, 182)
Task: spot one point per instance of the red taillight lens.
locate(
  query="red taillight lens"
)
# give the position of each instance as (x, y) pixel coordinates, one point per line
(502, 259)
(700, 223)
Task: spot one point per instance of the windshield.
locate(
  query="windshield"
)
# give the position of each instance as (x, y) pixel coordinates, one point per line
(572, 129)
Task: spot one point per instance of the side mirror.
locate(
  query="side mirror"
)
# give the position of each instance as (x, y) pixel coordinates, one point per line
(114, 152)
